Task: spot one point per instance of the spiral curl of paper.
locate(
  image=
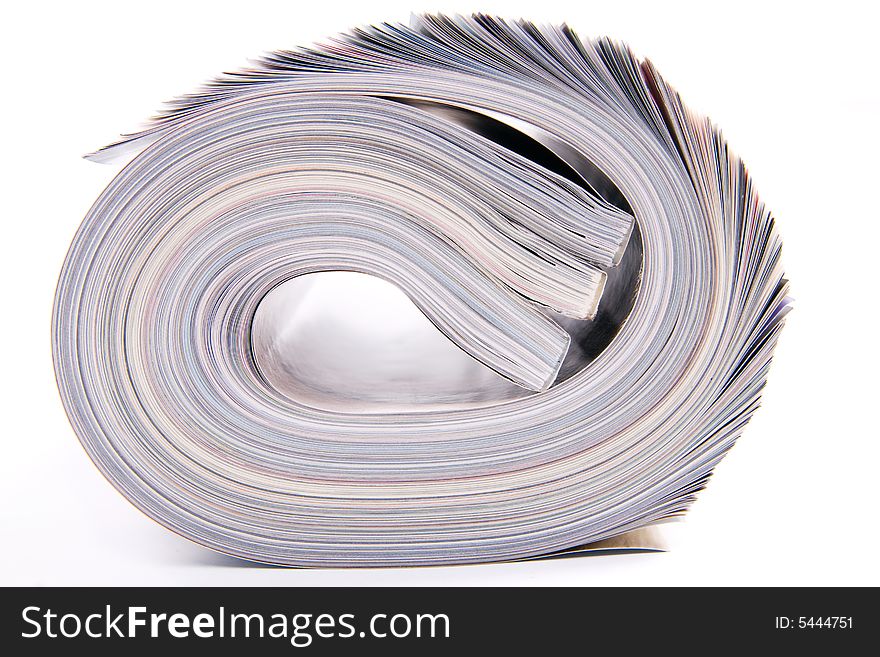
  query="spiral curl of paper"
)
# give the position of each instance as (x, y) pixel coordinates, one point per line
(358, 155)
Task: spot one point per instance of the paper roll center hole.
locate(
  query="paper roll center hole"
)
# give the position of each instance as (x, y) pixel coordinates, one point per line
(350, 342)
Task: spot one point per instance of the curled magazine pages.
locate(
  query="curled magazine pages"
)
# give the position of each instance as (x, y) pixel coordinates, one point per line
(598, 285)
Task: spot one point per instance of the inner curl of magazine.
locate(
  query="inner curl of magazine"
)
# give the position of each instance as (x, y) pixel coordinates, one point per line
(345, 341)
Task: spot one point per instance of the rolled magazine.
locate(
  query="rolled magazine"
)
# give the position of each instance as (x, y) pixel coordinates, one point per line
(599, 286)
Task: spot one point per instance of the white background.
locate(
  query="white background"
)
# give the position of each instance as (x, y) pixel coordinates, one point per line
(794, 88)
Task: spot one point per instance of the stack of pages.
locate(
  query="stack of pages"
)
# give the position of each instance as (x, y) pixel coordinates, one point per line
(599, 286)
